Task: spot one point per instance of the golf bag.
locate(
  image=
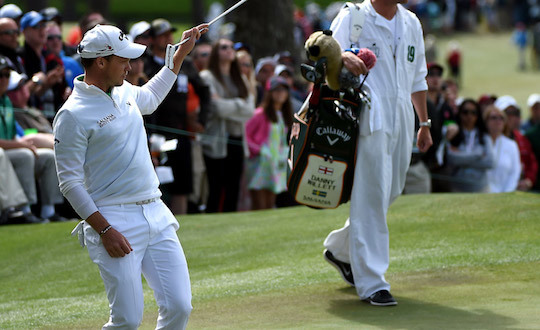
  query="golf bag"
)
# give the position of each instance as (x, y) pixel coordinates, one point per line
(322, 154)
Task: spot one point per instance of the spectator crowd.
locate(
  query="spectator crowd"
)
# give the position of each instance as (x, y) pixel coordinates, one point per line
(219, 141)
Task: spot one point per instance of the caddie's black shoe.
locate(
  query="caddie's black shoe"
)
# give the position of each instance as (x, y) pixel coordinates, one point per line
(343, 268)
(381, 298)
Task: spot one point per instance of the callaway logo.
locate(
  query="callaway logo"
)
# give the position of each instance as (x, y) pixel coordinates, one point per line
(332, 142)
(329, 130)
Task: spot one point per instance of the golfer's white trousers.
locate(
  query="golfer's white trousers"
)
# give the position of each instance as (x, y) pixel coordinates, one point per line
(157, 254)
(381, 167)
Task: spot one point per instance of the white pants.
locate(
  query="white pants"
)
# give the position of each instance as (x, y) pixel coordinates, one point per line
(157, 254)
(381, 166)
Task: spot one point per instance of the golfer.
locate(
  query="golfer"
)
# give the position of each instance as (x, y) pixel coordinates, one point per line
(394, 34)
(105, 171)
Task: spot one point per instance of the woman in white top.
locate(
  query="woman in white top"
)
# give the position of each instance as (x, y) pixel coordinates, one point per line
(470, 152)
(504, 176)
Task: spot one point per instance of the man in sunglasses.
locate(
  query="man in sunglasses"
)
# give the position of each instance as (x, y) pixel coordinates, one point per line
(173, 113)
(201, 55)
(56, 56)
(33, 28)
(9, 42)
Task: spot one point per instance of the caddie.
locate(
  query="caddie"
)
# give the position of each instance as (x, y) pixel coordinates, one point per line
(394, 34)
(105, 171)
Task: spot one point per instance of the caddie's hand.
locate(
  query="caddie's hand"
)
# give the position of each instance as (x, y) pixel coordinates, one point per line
(115, 243)
(354, 64)
(424, 141)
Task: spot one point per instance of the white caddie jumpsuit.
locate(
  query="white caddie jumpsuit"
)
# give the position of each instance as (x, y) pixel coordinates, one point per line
(384, 146)
(104, 165)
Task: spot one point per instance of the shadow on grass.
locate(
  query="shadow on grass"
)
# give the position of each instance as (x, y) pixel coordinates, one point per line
(415, 314)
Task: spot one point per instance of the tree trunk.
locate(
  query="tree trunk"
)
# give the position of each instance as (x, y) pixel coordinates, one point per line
(70, 11)
(100, 6)
(36, 5)
(197, 11)
(266, 26)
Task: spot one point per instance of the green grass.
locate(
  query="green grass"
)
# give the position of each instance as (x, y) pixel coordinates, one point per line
(458, 261)
(490, 65)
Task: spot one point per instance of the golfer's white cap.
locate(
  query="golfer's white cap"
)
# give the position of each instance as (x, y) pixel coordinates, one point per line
(533, 99)
(105, 40)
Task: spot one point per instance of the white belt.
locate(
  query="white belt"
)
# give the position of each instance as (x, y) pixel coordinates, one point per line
(147, 201)
(79, 229)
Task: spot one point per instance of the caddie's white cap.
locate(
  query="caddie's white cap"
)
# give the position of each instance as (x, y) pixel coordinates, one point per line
(533, 99)
(105, 40)
(139, 28)
(505, 101)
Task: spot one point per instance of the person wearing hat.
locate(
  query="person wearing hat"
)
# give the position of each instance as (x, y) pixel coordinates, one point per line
(443, 127)
(297, 96)
(30, 162)
(201, 55)
(140, 33)
(173, 113)
(11, 11)
(529, 163)
(106, 173)
(266, 135)
(9, 43)
(533, 102)
(264, 70)
(384, 145)
(33, 57)
(52, 14)
(26, 116)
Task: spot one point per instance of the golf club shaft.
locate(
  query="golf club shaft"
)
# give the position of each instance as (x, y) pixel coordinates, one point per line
(239, 3)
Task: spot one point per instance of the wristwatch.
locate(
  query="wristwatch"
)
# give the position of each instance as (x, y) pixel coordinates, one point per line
(425, 123)
(37, 80)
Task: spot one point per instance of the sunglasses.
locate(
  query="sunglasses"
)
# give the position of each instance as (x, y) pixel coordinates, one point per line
(5, 74)
(501, 118)
(469, 112)
(13, 32)
(434, 74)
(246, 65)
(225, 47)
(54, 37)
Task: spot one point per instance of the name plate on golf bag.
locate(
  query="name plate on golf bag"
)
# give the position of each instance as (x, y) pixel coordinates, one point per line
(322, 148)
